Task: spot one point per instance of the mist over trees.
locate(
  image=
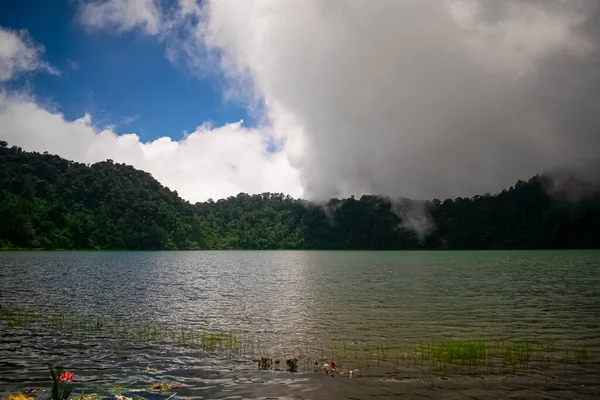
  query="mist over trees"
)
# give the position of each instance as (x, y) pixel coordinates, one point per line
(47, 202)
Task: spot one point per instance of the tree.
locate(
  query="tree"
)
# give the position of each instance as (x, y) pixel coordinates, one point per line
(49, 202)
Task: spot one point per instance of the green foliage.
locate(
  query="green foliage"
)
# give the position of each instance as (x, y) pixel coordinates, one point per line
(47, 202)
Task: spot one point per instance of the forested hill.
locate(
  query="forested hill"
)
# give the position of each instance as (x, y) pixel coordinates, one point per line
(51, 203)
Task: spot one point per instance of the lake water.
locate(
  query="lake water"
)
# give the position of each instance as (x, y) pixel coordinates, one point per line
(309, 305)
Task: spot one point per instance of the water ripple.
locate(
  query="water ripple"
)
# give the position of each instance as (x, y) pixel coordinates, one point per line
(311, 299)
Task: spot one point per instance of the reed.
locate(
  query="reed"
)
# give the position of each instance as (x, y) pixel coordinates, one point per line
(430, 378)
(368, 356)
(345, 350)
(465, 353)
(383, 351)
(566, 355)
(542, 352)
(582, 355)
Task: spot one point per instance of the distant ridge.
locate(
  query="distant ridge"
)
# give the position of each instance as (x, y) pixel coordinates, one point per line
(47, 202)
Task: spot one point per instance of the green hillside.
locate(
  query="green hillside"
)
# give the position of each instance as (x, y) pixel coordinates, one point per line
(47, 202)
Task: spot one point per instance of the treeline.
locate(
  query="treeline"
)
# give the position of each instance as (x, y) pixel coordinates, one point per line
(48, 202)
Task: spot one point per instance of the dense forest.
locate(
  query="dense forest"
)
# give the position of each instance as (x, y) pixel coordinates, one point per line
(47, 202)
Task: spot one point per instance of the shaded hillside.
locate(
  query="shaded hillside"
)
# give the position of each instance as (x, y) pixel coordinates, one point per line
(52, 203)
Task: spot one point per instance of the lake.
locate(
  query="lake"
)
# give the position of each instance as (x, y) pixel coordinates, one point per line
(438, 324)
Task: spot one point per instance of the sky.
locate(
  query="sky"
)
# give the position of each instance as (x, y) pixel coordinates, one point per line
(312, 98)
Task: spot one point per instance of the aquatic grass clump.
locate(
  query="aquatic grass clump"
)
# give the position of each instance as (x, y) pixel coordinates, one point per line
(264, 363)
(430, 357)
(368, 356)
(516, 354)
(205, 339)
(383, 351)
(463, 353)
(542, 352)
(16, 317)
(335, 355)
(13, 323)
(292, 364)
(57, 320)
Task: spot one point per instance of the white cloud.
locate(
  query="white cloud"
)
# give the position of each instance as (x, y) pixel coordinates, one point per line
(417, 98)
(122, 15)
(207, 163)
(20, 53)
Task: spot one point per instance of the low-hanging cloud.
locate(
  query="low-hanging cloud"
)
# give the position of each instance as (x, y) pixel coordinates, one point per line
(414, 216)
(415, 98)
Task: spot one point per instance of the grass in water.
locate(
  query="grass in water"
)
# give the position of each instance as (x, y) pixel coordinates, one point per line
(582, 355)
(516, 354)
(12, 323)
(464, 353)
(439, 357)
(383, 351)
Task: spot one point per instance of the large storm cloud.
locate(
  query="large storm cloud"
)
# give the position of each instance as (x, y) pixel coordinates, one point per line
(418, 99)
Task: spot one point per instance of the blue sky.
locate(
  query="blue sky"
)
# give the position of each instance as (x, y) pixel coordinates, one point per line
(122, 80)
